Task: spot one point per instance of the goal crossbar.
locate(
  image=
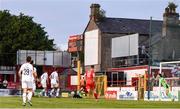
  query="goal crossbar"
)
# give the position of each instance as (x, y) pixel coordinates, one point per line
(160, 71)
(161, 63)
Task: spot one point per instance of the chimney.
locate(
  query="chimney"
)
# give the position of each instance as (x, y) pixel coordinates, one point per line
(95, 12)
(170, 16)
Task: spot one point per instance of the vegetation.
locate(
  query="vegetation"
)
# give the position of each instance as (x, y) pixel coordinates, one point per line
(172, 5)
(20, 32)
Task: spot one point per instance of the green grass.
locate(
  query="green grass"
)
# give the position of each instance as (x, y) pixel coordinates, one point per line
(16, 102)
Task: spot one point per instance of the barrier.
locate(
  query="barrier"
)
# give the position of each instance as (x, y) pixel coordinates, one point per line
(10, 92)
(155, 96)
(101, 84)
(121, 93)
(127, 95)
(111, 94)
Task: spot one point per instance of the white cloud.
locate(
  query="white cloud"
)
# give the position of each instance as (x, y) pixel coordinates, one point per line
(63, 47)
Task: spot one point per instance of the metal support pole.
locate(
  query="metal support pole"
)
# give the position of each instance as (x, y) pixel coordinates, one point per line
(78, 74)
(150, 56)
(79, 71)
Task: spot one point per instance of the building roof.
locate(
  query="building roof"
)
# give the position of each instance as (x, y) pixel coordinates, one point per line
(126, 25)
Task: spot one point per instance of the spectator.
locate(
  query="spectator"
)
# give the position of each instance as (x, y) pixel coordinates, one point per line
(5, 83)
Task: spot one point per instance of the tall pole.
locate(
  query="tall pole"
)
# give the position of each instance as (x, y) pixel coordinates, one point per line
(149, 59)
(78, 71)
(160, 71)
(78, 75)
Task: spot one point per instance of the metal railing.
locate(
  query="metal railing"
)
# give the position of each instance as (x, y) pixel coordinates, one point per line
(123, 83)
(7, 68)
(131, 61)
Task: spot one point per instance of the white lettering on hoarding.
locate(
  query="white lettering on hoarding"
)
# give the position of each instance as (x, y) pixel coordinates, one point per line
(127, 95)
(154, 96)
(111, 94)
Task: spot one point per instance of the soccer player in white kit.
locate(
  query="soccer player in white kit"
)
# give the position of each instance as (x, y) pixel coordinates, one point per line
(26, 74)
(44, 81)
(34, 79)
(54, 83)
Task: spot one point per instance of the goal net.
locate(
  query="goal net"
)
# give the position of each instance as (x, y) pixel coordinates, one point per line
(100, 85)
(174, 67)
(170, 71)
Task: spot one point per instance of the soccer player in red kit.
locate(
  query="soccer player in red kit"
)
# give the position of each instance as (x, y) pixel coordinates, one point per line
(90, 81)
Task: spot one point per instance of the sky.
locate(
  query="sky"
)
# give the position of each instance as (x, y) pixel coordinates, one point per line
(64, 18)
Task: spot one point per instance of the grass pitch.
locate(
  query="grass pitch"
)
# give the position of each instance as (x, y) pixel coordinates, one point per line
(16, 102)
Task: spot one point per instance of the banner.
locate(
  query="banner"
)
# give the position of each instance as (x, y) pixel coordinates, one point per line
(127, 95)
(10, 92)
(111, 94)
(154, 96)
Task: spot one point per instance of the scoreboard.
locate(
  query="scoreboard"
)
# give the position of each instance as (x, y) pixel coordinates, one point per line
(75, 43)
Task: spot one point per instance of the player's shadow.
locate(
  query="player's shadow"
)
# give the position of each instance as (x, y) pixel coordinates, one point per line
(76, 95)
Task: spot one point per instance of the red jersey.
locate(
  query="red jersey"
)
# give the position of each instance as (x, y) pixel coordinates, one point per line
(90, 76)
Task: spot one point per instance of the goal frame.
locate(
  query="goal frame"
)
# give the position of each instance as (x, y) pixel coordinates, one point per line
(160, 71)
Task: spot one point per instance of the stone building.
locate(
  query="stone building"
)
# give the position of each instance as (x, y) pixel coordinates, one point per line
(100, 30)
(168, 47)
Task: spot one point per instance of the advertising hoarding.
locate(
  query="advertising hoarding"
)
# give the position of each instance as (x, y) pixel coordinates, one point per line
(111, 94)
(91, 47)
(156, 95)
(56, 58)
(10, 92)
(125, 46)
(127, 95)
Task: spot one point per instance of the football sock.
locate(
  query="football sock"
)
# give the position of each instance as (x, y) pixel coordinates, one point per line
(42, 92)
(169, 95)
(95, 95)
(45, 92)
(52, 91)
(29, 96)
(57, 92)
(24, 97)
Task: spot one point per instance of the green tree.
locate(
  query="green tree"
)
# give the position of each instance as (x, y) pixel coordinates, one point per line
(20, 33)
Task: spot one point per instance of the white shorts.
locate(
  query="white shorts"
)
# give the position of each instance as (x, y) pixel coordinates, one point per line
(54, 85)
(27, 84)
(44, 85)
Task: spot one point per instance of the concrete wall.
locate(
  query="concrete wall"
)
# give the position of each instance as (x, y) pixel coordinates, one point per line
(170, 44)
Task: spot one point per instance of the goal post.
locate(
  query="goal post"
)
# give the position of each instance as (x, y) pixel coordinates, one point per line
(101, 84)
(171, 78)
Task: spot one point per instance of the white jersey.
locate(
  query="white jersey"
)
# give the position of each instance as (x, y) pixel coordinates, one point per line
(54, 77)
(44, 77)
(27, 72)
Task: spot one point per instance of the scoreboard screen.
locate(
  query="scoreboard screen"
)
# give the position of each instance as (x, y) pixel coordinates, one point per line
(75, 43)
